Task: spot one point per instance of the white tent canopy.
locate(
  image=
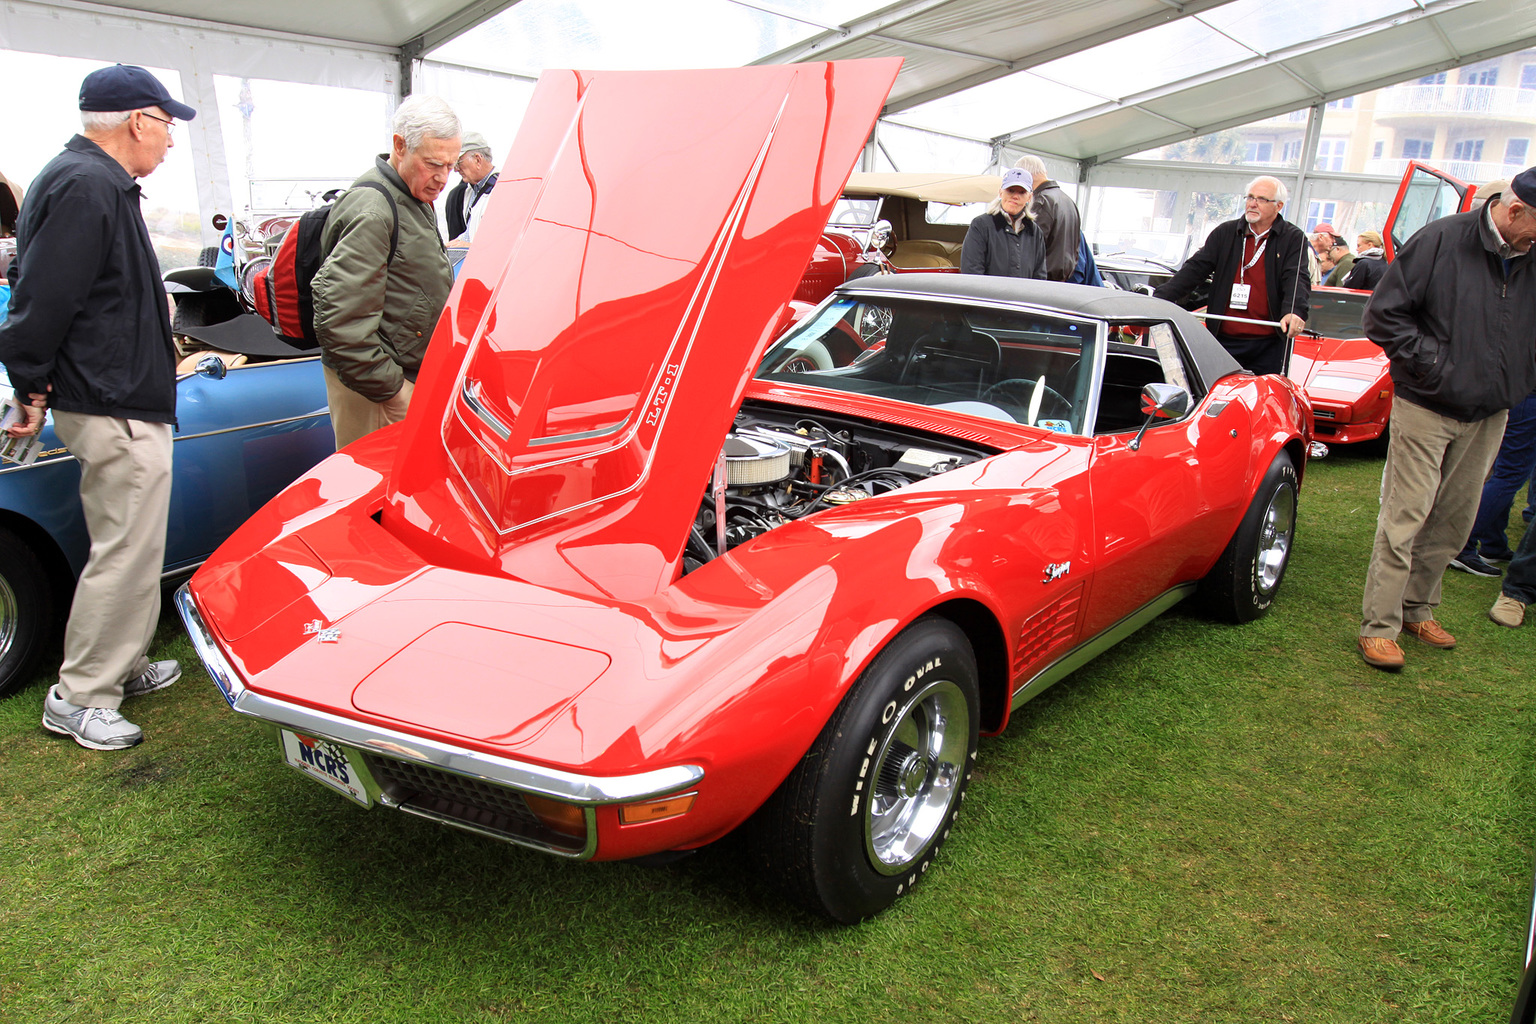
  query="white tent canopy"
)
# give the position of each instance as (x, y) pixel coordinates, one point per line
(1085, 83)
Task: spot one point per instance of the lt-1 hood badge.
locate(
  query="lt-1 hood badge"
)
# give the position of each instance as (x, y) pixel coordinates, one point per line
(327, 634)
(1056, 571)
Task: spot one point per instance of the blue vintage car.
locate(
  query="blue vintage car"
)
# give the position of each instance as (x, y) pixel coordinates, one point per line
(245, 432)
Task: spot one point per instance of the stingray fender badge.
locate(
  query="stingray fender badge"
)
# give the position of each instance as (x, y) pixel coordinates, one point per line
(327, 635)
(1056, 571)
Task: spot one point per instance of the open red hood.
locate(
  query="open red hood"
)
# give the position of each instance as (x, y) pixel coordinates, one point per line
(644, 232)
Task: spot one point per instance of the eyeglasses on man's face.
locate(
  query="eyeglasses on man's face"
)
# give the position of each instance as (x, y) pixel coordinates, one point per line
(1257, 199)
(170, 125)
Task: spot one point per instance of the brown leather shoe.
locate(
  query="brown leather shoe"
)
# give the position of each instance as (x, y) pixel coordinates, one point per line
(1379, 652)
(1431, 632)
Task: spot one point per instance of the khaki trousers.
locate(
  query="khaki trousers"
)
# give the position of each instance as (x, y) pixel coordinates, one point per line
(352, 415)
(1430, 489)
(125, 489)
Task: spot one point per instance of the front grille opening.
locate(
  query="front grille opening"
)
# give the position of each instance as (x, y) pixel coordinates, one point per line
(446, 796)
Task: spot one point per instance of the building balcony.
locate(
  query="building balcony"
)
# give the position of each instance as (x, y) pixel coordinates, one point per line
(1473, 172)
(1492, 102)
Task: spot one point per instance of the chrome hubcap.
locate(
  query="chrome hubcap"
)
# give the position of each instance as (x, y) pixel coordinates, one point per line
(1275, 538)
(10, 617)
(920, 761)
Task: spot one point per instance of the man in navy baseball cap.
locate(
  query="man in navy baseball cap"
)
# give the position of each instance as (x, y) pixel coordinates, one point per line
(126, 87)
(89, 338)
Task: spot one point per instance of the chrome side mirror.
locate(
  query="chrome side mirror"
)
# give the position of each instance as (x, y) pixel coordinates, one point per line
(1160, 402)
(880, 234)
(211, 367)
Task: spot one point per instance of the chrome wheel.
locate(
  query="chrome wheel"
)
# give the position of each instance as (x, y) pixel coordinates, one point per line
(920, 762)
(10, 617)
(27, 620)
(1242, 585)
(1275, 535)
(861, 818)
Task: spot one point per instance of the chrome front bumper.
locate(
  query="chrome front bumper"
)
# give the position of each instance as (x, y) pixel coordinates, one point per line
(465, 771)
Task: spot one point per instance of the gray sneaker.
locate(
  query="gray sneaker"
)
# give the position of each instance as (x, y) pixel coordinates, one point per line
(158, 676)
(92, 728)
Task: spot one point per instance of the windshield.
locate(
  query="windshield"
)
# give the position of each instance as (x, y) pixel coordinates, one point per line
(1017, 366)
(855, 211)
(1337, 314)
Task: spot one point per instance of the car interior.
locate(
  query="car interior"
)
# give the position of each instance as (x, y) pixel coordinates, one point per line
(1018, 366)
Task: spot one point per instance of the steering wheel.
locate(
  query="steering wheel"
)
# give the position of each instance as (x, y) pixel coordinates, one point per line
(1036, 396)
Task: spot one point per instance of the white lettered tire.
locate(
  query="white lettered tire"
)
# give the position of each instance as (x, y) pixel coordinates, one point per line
(858, 822)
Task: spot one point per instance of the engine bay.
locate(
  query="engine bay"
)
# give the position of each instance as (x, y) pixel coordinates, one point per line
(778, 465)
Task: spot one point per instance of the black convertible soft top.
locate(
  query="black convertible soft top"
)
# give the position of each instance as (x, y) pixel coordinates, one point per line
(1212, 361)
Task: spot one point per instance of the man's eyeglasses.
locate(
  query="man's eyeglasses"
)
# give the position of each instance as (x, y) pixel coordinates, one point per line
(170, 125)
(1259, 199)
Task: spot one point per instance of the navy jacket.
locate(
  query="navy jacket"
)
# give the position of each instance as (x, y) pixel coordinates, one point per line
(88, 308)
(1366, 273)
(992, 248)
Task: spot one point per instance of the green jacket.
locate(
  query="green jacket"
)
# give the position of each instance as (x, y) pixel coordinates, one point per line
(1340, 271)
(374, 317)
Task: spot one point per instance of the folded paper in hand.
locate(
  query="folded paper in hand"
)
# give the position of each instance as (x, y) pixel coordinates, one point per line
(20, 450)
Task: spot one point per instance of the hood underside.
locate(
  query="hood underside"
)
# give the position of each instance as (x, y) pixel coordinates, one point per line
(580, 383)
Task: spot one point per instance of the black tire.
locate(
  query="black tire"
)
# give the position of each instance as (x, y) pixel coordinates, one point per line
(27, 616)
(859, 820)
(208, 256)
(1243, 584)
(204, 309)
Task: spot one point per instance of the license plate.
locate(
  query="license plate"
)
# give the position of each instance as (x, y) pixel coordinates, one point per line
(325, 762)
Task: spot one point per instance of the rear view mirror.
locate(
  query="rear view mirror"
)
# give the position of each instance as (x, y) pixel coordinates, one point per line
(1160, 402)
(1164, 401)
(212, 367)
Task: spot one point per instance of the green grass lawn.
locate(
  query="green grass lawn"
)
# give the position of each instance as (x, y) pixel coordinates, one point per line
(1209, 823)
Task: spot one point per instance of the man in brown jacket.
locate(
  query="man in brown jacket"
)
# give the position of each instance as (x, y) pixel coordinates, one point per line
(376, 306)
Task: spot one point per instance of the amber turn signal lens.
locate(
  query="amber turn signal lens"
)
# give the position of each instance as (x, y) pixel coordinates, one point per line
(557, 816)
(655, 810)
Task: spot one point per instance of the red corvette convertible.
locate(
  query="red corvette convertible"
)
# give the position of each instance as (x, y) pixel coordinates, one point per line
(631, 577)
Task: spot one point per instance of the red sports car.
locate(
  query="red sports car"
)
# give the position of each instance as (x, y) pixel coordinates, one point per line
(1345, 375)
(631, 576)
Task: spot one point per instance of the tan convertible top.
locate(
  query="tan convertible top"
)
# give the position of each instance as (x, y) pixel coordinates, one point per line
(931, 188)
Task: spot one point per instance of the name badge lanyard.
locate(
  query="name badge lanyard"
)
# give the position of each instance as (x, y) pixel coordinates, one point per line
(1241, 290)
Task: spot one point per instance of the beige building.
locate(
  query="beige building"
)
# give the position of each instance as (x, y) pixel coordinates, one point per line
(1476, 123)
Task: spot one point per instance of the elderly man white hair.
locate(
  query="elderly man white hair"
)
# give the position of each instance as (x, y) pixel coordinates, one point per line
(1058, 218)
(1260, 288)
(425, 117)
(1034, 165)
(1280, 194)
(385, 274)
